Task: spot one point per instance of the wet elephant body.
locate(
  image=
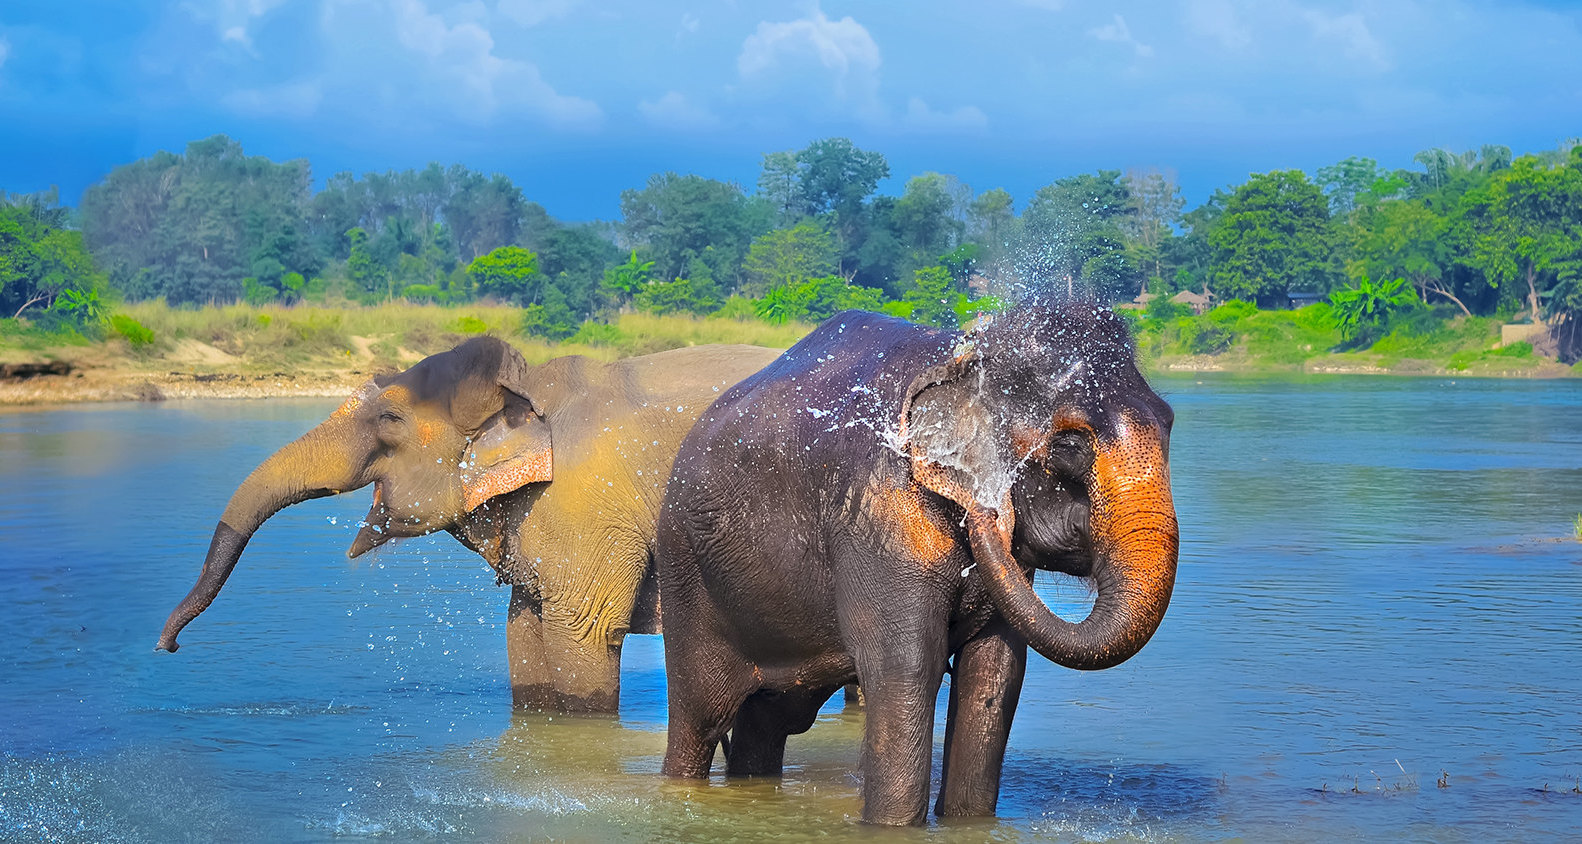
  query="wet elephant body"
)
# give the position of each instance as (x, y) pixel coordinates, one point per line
(870, 507)
(554, 474)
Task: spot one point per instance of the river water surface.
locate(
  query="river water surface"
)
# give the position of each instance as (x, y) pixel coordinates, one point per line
(1378, 596)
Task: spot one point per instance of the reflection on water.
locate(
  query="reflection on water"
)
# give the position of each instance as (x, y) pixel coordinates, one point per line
(1377, 594)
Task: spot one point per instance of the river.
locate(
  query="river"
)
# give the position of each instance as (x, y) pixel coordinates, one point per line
(1376, 633)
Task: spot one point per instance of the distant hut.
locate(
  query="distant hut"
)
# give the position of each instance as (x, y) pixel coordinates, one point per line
(1138, 304)
(1303, 299)
(1199, 302)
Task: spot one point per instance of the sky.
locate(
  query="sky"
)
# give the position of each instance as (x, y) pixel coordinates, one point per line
(577, 100)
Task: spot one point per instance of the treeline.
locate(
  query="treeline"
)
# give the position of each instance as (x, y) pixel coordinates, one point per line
(1476, 233)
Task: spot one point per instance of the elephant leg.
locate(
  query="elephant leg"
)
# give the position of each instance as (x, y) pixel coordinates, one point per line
(765, 720)
(705, 693)
(984, 689)
(853, 698)
(586, 674)
(900, 674)
(532, 677)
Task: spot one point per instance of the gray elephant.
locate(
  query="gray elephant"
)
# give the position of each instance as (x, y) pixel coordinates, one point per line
(872, 505)
(553, 474)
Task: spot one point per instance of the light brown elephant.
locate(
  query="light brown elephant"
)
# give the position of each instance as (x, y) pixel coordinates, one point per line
(553, 474)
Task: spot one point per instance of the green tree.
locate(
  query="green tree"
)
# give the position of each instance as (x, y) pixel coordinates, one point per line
(1364, 313)
(923, 216)
(552, 318)
(1073, 228)
(990, 217)
(1156, 205)
(1526, 231)
(933, 299)
(780, 184)
(1274, 236)
(677, 218)
(1343, 182)
(624, 281)
(508, 273)
(1404, 238)
(789, 256)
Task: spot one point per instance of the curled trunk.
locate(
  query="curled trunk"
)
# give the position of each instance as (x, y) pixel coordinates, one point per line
(1135, 543)
(314, 466)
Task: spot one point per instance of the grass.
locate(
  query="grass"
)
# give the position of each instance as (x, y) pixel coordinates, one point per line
(1577, 525)
(272, 338)
(276, 337)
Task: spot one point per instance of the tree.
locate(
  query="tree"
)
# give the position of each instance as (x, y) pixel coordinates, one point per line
(508, 273)
(790, 256)
(1156, 204)
(779, 183)
(1345, 180)
(552, 318)
(1363, 313)
(1404, 238)
(483, 213)
(39, 259)
(835, 177)
(679, 217)
(1527, 231)
(815, 300)
(923, 217)
(933, 299)
(990, 217)
(1274, 236)
(190, 227)
(1073, 225)
(623, 281)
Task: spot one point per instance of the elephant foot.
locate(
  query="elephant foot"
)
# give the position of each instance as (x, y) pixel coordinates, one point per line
(544, 697)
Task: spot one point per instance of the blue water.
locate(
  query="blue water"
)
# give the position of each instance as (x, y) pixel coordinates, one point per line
(1379, 591)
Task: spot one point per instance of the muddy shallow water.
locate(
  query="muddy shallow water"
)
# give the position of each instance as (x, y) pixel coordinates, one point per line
(1377, 594)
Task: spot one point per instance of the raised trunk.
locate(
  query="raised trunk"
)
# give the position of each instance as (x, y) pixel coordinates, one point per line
(318, 464)
(1133, 527)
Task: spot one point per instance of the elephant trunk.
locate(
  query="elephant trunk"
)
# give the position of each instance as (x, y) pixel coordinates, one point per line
(1135, 545)
(318, 464)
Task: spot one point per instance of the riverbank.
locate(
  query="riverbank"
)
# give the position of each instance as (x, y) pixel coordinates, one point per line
(251, 352)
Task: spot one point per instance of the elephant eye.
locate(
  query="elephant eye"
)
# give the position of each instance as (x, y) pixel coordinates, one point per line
(389, 416)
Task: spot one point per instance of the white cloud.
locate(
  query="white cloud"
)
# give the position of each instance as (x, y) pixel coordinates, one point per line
(920, 116)
(843, 49)
(689, 25)
(293, 99)
(1353, 33)
(1219, 20)
(675, 111)
(534, 12)
(233, 19)
(1118, 32)
(406, 54)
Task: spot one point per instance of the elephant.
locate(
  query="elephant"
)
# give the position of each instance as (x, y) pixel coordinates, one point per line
(872, 505)
(553, 474)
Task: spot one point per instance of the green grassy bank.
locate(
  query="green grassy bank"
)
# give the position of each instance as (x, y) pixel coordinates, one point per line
(1234, 337)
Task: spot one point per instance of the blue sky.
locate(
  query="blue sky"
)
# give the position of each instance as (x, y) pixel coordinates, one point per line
(576, 99)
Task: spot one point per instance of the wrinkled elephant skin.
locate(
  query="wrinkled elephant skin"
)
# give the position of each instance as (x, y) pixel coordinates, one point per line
(553, 474)
(871, 506)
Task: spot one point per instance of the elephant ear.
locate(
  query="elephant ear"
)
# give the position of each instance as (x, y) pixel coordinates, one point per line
(511, 450)
(953, 430)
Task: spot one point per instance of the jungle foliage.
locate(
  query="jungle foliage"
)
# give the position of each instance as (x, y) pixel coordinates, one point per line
(1474, 235)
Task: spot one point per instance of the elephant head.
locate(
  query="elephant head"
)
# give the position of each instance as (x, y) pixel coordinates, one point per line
(436, 441)
(1043, 430)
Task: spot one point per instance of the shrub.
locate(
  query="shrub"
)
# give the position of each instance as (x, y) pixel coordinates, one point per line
(469, 325)
(135, 332)
(596, 334)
